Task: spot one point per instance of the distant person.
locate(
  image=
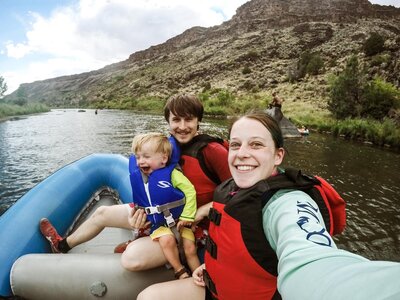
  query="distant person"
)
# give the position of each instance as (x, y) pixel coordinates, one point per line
(276, 100)
(275, 107)
(152, 153)
(303, 130)
(95, 112)
(275, 249)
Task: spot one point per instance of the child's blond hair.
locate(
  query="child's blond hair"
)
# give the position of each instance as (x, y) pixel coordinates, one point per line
(158, 140)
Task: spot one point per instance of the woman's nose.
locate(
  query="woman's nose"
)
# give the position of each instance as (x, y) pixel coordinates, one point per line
(243, 151)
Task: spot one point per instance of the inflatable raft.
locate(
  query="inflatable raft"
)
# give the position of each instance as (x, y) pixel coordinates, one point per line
(91, 270)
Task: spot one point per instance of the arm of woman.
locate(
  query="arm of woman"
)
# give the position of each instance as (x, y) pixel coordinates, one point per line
(310, 265)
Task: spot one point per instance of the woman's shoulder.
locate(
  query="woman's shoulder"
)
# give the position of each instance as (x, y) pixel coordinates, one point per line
(286, 197)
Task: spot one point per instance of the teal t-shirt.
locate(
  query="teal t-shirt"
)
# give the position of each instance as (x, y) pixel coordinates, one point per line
(311, 266)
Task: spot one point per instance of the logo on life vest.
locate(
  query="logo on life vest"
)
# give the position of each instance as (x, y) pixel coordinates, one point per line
(164, 184)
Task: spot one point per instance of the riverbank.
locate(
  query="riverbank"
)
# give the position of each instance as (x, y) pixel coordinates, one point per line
(9, 111)
(223, 104)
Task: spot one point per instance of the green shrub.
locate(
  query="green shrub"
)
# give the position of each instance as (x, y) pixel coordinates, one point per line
(246, 70)
(374, 44)
(378, 98)
(345, 91)
(308, 63)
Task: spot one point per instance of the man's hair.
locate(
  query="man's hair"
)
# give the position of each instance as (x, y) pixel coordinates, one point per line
(184, 106)
(158, 140)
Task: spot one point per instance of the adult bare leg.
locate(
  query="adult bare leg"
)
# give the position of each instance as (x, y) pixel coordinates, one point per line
(143, 254)
(178, 289)
(104, 216)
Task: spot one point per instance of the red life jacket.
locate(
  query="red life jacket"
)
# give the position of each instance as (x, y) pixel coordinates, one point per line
(240, 261)
(195, 169)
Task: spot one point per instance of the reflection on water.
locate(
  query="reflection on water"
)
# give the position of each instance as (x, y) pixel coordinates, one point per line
(367, 178)
(34, 147)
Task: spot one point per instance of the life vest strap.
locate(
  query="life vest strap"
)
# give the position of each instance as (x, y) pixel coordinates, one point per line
(169, 219)
(209, 283)
(214, 216)
(149, 210)
(211, 247)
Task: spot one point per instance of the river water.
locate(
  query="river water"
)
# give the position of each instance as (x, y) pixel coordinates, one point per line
(33, 147)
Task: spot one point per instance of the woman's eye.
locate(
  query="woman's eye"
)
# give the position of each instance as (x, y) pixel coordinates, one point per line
(234, 146)
(256, 145)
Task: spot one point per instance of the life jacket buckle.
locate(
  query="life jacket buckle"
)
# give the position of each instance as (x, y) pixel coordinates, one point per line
(170, 220)
(150, 210)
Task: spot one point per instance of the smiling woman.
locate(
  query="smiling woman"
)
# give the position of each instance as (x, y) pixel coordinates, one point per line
(254, 151)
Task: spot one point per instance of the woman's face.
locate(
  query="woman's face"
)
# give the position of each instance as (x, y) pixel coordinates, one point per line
(184, 129)
(252, 153)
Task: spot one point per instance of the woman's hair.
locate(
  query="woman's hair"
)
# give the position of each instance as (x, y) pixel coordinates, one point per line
(268, 122)
(184, 106)
(158, 140)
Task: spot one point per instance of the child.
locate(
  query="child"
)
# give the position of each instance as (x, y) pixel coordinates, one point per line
(151, 165)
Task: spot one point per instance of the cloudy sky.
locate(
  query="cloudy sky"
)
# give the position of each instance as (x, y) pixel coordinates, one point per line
(42, 39)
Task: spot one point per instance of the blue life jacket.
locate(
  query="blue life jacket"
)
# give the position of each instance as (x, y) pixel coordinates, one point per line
(160, 188)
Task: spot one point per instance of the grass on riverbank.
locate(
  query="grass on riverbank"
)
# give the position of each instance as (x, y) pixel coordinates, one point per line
(222, 103)
(8, 110)
(311, 113)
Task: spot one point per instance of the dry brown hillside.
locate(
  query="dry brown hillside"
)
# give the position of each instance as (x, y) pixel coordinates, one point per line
(255, 51)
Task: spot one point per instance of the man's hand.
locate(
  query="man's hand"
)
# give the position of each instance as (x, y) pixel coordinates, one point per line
(137, 218)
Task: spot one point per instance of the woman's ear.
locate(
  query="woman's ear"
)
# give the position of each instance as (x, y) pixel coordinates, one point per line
(279, 154)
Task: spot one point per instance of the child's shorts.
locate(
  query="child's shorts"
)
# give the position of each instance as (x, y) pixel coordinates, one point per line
(186, 233)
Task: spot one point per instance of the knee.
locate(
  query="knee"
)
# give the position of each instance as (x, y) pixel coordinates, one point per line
(130, 260)
(148, 293)
(100, 213)
(167, 241)
(189, 248)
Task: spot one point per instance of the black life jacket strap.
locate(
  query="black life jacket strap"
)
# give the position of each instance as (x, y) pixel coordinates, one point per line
(211, 247)
(209, 284)
(214, 216)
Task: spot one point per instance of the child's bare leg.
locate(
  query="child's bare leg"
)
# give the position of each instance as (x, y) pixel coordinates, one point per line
(191, 254)
(104, 216)
(171, 252)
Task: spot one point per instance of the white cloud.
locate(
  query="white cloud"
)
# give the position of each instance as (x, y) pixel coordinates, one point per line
(386, 2)
(17, 50)
(95, 33)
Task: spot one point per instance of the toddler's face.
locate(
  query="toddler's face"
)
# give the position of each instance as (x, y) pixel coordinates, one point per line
(149, 160)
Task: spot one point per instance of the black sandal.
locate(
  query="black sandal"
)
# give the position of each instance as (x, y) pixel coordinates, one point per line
(180, 272)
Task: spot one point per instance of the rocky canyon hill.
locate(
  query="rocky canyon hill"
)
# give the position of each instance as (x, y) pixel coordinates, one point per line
(265, 37)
